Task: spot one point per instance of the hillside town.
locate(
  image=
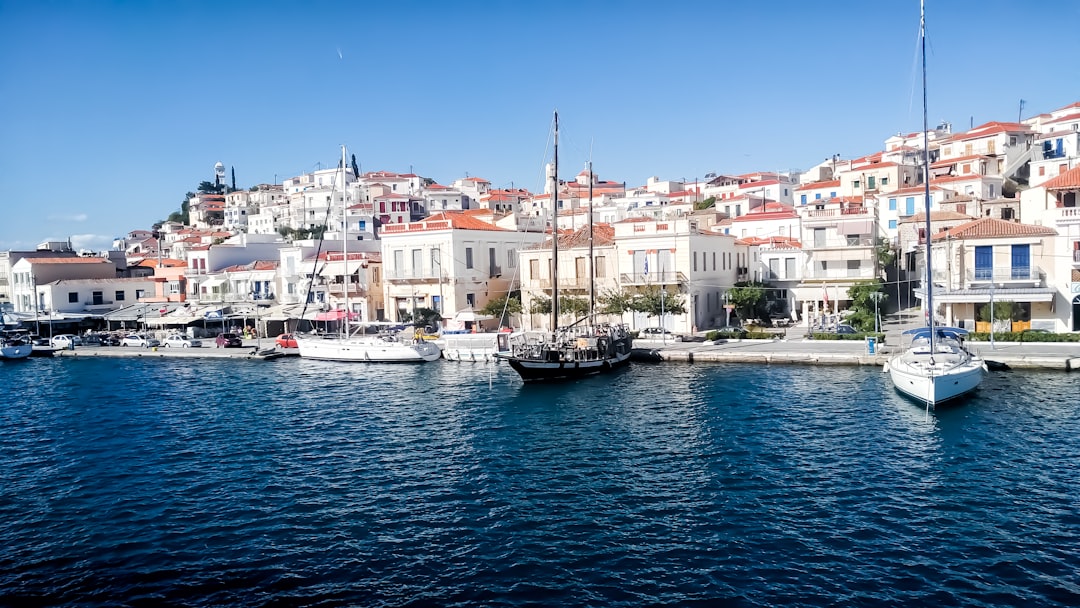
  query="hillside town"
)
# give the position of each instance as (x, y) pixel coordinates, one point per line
(1004, 221)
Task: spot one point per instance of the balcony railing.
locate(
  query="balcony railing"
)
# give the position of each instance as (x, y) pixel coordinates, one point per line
(354, 288)
(1003, 275)
(413, 274)
(843, 273)
(838, 243)
(847, 212)
(670, 277)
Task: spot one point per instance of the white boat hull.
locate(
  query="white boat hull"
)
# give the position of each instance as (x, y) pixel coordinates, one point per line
(481, 347)
(938, 383)
(367, 350)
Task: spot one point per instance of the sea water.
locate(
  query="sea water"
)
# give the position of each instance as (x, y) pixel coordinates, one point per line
(136, 482)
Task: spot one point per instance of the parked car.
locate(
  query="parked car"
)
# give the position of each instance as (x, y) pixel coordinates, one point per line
(845, 329)
(285, 341)
(658, 333)
(40, 341)
(137, 340)
(110, 340)
(181, 341)
(229, 340)
(66, 341)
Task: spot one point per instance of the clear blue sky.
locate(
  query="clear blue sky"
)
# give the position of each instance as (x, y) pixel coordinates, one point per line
(111, 110)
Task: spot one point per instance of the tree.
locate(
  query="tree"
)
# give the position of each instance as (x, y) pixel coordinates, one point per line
(746, 297)
(355, 168)
(862, 303)
(1003, 311)
(502, 307)
(705, 204)
(654, 301)
(208, 188)
(423, 317)
(568, 305)
(614, 302)
(233, 169)
(886, 255)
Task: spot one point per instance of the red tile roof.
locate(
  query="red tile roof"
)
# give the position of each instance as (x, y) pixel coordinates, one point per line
(1069, 180)
(959, 159)
(991, 227)
(446, 220)
(779, 242)
(1063, 118)
(936, 216)
(988, 129)
(835, 183)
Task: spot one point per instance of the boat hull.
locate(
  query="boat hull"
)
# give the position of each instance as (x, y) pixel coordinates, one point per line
(936, 386)
(534, 370)
(16, 351)
(367, 350)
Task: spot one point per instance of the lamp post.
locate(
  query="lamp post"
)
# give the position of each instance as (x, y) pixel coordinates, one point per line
(876, 297)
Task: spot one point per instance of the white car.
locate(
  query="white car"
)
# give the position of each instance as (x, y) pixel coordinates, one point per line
(181, 341)
(66, 341)
(137, 340)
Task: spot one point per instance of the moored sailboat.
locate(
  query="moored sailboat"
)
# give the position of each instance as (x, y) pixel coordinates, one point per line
(584, 348)
(353, 345)
(936, 367)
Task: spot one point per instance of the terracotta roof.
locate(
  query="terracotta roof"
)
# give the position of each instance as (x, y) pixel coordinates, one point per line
(603, 235)
(835, 183)
(772, 241)
(991, 227)
(988, 129)
(1069, 180)
(256, 265)
(1063, 118)
(73, 260)
(759, 184)
(458, 220)
(959, 159)
(165, 262)
(936, 216)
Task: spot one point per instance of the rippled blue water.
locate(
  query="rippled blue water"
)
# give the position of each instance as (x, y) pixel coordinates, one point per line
(205, 482)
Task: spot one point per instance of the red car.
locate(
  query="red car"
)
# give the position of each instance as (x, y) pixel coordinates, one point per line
(285, 341)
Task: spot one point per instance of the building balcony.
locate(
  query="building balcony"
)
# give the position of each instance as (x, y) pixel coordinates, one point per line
(1008, 276)
(354, 289)
(850, 242)
(1065, 216)
(854, 274)
(847, 213)
(413, 275)
(653, 278)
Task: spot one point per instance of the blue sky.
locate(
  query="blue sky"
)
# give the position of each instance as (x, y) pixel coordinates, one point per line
(111, 110)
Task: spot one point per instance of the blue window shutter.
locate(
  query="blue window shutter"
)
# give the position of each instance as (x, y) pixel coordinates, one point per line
(892, 204)
(892, 224)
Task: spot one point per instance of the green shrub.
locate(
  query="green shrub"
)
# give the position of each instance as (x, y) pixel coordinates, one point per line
(861, 337)
(1019, 336)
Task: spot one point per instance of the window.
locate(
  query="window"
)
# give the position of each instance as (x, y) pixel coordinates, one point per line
(738, 210)
(119, 296)
(892, 224)
(832, 194)
(399, 263)
(909, 204)
(774, 268)
(417, 262)
(892, 204)
(468, 257)
(871, 182)
(140, 294)
(789, 268)
(470, 299)
(534, 270)
(511, 258)
(817, 196)
(819, 237)
(1042, 171)
(695, 261)
(855, 184)
(852, 240)
(98, 298)
(853, 268)
(802, 199)
(73, 297)
(885, 181)
(600, 266)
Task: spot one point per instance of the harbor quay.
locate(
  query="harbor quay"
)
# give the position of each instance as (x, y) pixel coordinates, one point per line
(1029, 355)
(802, 351)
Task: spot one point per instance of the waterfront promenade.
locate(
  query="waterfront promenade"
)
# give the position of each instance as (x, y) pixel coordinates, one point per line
(792, 349)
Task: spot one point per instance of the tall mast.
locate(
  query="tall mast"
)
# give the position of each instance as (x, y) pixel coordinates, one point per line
(555, 232)
(592, 260)
(345, 241)
(926, 179)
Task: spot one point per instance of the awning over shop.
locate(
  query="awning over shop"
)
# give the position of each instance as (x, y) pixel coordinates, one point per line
(335, 315)
(212, 282)
(962, 296)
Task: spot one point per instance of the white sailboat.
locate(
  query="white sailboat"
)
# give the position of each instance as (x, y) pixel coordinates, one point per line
(936, 367)
(15, 345)
(350, 344)
(584, 348)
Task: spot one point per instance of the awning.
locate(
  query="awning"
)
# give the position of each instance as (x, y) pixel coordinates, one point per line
(212, 282)
(978, 296)
(468, 315)
(335, 315)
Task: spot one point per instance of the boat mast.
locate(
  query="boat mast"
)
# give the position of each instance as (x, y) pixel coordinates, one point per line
(345, 241)
(555, 233)
(926, 179)
(592, 260)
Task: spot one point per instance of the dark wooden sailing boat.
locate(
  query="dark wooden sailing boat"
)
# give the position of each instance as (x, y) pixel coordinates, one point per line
(585, 347)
